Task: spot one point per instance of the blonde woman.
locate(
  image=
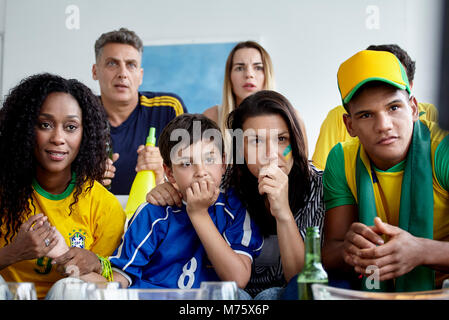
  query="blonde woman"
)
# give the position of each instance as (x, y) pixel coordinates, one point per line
(248, 70)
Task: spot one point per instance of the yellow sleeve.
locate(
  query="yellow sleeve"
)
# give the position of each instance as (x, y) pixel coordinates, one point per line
(428, 111)
(332, 131)
(108, 221)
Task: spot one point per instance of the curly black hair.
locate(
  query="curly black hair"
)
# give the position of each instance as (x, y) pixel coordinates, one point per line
(18, 119)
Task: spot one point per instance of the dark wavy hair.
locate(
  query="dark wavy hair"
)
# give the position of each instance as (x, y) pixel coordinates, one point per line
(18, 119)
(268, 102)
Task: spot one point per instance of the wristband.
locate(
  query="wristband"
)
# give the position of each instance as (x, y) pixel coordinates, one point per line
(106, 268)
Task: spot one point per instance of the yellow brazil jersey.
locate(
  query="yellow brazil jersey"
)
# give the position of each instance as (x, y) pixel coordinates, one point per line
(96, 224)
(333, 131)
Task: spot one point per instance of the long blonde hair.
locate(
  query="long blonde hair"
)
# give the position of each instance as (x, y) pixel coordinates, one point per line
(229, 101)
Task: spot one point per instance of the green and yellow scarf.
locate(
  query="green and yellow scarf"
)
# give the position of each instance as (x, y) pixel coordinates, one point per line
(416, 206)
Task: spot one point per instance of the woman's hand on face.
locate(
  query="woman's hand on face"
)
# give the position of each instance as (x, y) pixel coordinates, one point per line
(36, 237)
(165, 194)
(274, 183)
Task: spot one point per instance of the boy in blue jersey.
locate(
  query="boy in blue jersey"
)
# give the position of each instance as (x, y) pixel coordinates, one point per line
(209, 238)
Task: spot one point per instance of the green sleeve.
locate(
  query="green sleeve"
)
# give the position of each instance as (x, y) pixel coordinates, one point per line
(336, 189)
(442, 163)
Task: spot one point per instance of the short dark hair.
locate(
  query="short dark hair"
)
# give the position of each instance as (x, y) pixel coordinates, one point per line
(187, 122)
(401, 54)
(122, 35)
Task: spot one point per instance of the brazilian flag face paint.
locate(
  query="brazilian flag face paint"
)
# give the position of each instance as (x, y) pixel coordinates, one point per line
(287, 152)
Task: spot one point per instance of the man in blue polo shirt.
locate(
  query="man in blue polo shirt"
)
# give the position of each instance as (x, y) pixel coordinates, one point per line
(130, 113)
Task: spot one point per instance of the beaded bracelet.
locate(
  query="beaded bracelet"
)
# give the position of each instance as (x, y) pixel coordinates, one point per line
(106, 268)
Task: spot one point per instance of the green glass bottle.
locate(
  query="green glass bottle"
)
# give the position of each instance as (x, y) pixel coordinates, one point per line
(109, 152)
(313, 271)
(108, 147)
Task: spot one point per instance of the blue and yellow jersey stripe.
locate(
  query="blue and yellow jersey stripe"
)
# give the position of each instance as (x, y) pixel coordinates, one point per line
(163, 101)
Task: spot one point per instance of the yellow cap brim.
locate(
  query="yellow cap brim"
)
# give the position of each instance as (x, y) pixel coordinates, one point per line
(367, 66)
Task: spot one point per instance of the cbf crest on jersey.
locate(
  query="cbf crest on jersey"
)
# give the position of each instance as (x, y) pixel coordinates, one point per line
(77, 238)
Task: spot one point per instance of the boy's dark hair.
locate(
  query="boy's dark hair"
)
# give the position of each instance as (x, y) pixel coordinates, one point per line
(401, 54)
(18, 119)
(123, 36)
(192, 128)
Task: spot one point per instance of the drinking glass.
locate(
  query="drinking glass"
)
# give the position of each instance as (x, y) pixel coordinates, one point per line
(76, 289)
(219, 290)
(17, 291)
(106, 291)
(165, 294)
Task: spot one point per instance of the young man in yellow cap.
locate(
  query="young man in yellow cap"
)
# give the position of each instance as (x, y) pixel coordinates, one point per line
(333, 129)
(386, 193)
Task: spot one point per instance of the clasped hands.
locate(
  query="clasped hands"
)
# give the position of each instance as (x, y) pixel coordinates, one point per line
(37, 238)
(363, 247)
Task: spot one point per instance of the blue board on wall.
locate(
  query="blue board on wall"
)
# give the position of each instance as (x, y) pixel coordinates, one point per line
(193, 71)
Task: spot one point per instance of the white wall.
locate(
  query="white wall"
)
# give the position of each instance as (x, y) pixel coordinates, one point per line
(307, 40)
(2, 29)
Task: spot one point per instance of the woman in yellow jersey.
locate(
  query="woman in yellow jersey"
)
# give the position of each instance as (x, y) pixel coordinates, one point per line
(52, 153)
(248, 70)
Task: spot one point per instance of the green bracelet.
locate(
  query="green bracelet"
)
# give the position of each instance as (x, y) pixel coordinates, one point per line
(106, 268)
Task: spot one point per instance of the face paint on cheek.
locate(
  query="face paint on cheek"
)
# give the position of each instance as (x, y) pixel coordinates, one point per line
(287, 152)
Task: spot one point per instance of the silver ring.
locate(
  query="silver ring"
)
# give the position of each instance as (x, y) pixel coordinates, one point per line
(47, 242)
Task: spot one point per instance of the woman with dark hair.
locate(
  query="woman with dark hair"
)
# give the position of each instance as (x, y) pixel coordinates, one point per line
(52, 153)
(282, 192)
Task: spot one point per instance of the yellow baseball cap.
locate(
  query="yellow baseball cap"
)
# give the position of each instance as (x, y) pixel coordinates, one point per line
(370, 65)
